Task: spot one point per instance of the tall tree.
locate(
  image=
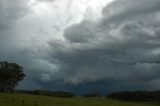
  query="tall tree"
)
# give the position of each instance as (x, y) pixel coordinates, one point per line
(10, 75)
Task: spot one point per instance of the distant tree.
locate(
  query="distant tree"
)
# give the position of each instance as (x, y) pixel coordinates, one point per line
(63, 94)
(136, 95)
(10, 75)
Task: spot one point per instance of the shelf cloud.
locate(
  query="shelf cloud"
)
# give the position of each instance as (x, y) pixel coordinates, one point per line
(120, 48)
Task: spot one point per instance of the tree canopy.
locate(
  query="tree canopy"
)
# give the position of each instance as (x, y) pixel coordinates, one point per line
(10, 75)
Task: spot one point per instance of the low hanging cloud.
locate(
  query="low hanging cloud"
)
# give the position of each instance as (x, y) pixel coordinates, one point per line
(122, 47)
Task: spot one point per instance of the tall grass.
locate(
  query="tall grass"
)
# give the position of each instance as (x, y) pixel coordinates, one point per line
(33, 100)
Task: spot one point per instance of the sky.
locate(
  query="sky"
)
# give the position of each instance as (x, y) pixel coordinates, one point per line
(83, 45)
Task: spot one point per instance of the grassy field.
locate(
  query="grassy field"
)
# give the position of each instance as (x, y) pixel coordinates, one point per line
(32, 100)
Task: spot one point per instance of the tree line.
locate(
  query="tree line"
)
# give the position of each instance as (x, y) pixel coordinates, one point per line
(64, 94)
(136, 95)
(11, 74)
(123, 95)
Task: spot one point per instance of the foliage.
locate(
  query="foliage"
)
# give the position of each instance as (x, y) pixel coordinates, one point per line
(63, 94)
(136, 95)
(10, 75)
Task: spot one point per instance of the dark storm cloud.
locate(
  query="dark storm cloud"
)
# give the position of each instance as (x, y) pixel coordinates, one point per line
(114, 52)
(123, 47)
(126, 9)
(80, 32)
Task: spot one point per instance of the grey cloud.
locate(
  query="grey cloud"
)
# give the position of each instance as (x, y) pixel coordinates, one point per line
(80, 32)
(126, 9)
(122, 47)
(11, 10)
(46, 0)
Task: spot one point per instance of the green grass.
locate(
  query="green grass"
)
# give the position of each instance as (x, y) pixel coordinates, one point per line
(32, 100)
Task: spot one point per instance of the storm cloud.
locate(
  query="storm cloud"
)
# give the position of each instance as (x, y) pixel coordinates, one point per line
(119, 49)
(123, 46)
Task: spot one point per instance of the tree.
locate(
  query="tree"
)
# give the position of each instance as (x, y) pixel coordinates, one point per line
(10, 75)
